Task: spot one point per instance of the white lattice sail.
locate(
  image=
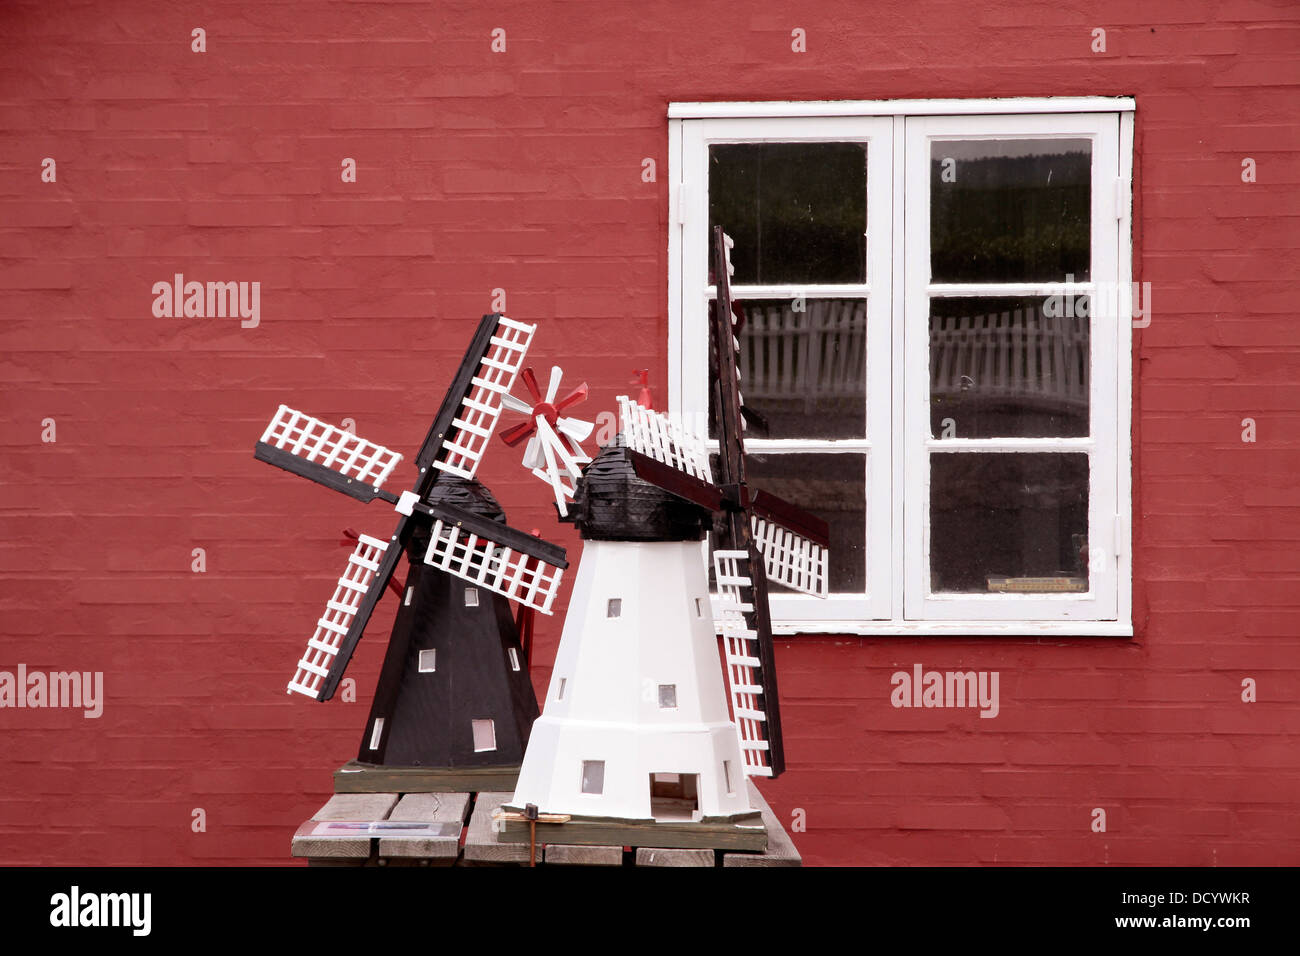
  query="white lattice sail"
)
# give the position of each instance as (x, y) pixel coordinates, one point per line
(740, 647)
(478, 560)
(339, 612)
(324, 444)
(656, 436)
(790, 558)
(478, 414)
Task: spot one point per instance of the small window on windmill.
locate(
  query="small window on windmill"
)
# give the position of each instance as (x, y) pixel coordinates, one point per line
(674, 796)
(471, 597)
(485, 735)
(668, 696)
(377, 734)
(699, 608)
(726, 776)
(563, 681)
(514, 658)
(614, 608)
(428, 660)
(593, 776)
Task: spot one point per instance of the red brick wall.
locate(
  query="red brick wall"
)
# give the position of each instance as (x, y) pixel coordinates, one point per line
(522, 170)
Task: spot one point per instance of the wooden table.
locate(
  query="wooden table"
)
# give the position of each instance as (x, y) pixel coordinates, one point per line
(461, 832)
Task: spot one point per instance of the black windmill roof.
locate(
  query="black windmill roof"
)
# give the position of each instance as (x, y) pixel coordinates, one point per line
(613, 504)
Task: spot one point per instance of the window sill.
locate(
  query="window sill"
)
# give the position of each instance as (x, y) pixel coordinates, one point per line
(955, 628)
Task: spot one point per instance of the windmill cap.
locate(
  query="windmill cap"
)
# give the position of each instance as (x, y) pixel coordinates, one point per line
(613, 504)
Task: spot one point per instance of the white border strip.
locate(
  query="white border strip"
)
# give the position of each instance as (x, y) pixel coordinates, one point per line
(934, 628)
(1018, 105)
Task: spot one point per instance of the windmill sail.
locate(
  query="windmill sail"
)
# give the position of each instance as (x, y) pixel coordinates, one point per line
(465, 437)
(794, 543)
(520, 566)
(790, 559)
(744, 666)
(326, 454)
(737, 534)
(657, 436)
(340, 610)
(520, 576)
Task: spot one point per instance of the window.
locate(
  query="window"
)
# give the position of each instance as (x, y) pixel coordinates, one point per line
(674, 796)
(428, 661)
(471, 597)
(485, 735)
(593, 776)
(614, 608)
(668, 696)
(514, 658)
(937, 302)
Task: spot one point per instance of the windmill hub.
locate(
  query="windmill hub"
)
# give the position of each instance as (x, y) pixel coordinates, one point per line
(548, 411)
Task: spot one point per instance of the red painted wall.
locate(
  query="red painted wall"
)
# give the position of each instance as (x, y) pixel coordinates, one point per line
(522, 170)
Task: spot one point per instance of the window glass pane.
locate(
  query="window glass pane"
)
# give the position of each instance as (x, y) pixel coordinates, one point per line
(1009, 367)
(831, 486)
(797, 211)
(593, 776)
(1012, 210)
(803, 368)
(1008, 522)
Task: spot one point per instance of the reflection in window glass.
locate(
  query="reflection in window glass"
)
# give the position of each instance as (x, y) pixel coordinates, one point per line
(803, 368)
(1010, 210)
(1014, 522)
(1009, 367)
(797, 211)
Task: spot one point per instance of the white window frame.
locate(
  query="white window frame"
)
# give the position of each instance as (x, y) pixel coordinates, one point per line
(897, 443)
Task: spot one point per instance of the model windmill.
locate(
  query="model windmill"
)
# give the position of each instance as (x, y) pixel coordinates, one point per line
(454, 695)
(635, 724)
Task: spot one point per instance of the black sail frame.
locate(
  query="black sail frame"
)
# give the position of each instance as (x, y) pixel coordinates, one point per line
(737, 528)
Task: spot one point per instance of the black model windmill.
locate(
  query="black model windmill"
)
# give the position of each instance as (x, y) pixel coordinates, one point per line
(636, 723)
(454, 695)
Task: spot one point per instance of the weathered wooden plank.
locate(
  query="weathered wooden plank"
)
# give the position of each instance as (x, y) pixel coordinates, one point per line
(356, 777)
(674, 856)
(481, 845)
(748, 835)
(569, 855)
(780, 851)
(342, 806)
(329, 851)
(357, 806)
(449, 808)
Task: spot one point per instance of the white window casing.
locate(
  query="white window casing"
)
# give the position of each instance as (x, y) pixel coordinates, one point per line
(897, 445)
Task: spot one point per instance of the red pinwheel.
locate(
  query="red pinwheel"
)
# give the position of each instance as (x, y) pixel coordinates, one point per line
(554, 451)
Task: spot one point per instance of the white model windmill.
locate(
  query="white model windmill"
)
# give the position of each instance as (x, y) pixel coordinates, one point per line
(635, 724)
